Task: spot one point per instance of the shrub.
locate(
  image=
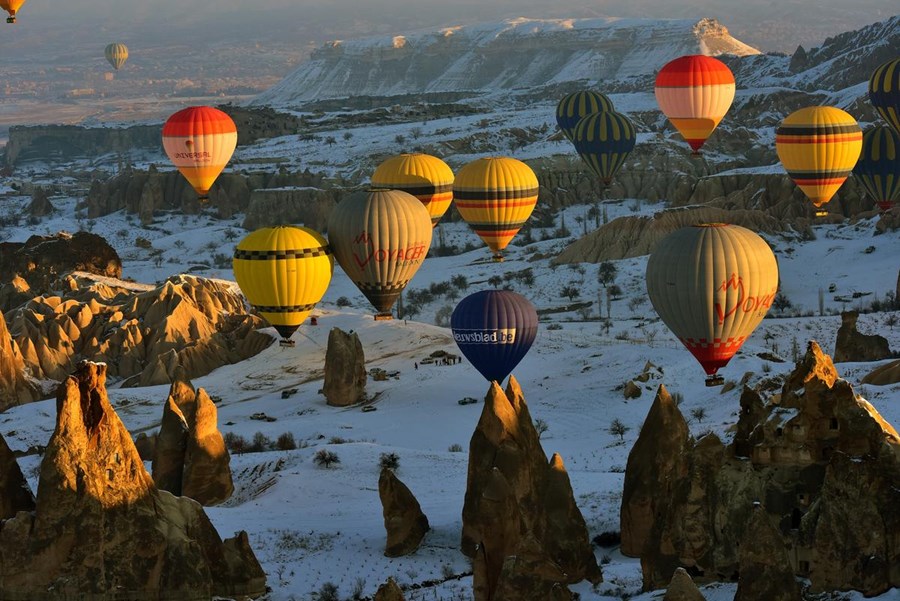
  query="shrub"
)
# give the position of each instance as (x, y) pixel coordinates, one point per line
(541, 426)
(389, 461)
(343, 301)
(698, 414)
(260, 443)
(325, 458)
(235, 443)
(455, 448)
(328, 592)
(336, 440)
(286, 442)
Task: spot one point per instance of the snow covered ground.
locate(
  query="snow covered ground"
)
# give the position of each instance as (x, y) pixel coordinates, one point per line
(310, 526)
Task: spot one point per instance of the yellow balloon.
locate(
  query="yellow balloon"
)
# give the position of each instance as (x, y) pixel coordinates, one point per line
(426, 177)
(116, 54)
(496, 196)
(818, 147)
(380, 240)
(283, 271)
(12, 7)
(712, 284)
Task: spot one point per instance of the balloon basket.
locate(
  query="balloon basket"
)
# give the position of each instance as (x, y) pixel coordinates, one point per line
(10, 19)
(383, 317)
(203, 198)
(497, 258)
(696, 155)
(821, 213)
(715, 380)
(287, 343)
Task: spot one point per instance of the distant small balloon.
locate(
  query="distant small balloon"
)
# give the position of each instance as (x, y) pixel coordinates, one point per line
(577, 105)
(494, 330)
(116, 54)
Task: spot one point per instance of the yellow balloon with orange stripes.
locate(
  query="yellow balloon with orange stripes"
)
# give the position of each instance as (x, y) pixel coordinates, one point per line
(818, 147)
(426, 177)
(495, 196)
(11, 7)
(199, 141)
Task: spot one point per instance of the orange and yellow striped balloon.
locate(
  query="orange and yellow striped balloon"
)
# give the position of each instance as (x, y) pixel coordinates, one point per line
(12, 7)
(200, 141)
(818, 147)
(496, 196)
(426, 177)
(695, 92)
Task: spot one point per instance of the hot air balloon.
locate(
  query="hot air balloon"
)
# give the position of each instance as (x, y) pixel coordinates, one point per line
(380, 239)
(695, 92)
(603, 140)
(116, 54)
(576, 105)
(200, 141)
(712, 284)
(879, 165)
(12, 7)
(884, 92)
(283, 271)
(426, 177)
(818, 147)
(494, 330)
(495, 196)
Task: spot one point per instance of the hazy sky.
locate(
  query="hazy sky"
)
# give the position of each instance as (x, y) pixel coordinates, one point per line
(773, 24)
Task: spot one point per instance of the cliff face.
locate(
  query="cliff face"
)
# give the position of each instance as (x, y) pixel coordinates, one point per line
(514, 54)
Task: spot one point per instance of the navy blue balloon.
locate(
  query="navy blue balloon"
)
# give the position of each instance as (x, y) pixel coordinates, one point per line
(494, 330)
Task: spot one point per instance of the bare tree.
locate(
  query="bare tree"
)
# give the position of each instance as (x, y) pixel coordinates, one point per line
(618, 428)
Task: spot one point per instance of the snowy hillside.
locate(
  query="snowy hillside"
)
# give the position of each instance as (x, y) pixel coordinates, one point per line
(515, 54)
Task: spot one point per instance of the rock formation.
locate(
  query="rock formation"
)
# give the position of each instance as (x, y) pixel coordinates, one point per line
(40, 205)
(15, 387)
(345, 369)
(190, 457)
(851, 345)
(404, 521)
(820, 465)
(141, 333)
(96, 505)
(15, 495)
(389, 591)
(518, 504)
(766, 571)
(41, 260)
(885, 375)
(682, 588)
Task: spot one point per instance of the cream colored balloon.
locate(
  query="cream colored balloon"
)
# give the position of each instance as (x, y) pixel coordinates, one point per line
(380, 240)
(712, 284)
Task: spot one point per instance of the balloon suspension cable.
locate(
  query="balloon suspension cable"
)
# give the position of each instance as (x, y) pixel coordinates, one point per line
(383, 316)
(286, 343)
(715, 380)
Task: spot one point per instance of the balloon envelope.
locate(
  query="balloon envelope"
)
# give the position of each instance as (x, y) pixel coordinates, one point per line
(200, 140)
(380, 240)
(603, 140)
(426, 177)
(878, 167)
(818, 147)
(283, 271)
(695, 92)
(884, 92)
(494, 330)
(495, 196)
(116, 54)
(573, 107)
(712, 284)
(12, 7)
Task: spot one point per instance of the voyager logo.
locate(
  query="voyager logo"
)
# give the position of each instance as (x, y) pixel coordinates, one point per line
(501, 336)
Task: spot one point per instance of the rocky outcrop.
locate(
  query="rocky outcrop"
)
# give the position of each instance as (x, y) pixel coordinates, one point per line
(97, 504)
(682, 588)
(40, 205)
(885, 375)
(15, 386)
(190, 457)
(42, 260)
(15, 495)
(818, 463)
(852, 345)
(141, 333)
(389, 591)
(518, 503)
(345, 369)
(766, 572)
(404, 521)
